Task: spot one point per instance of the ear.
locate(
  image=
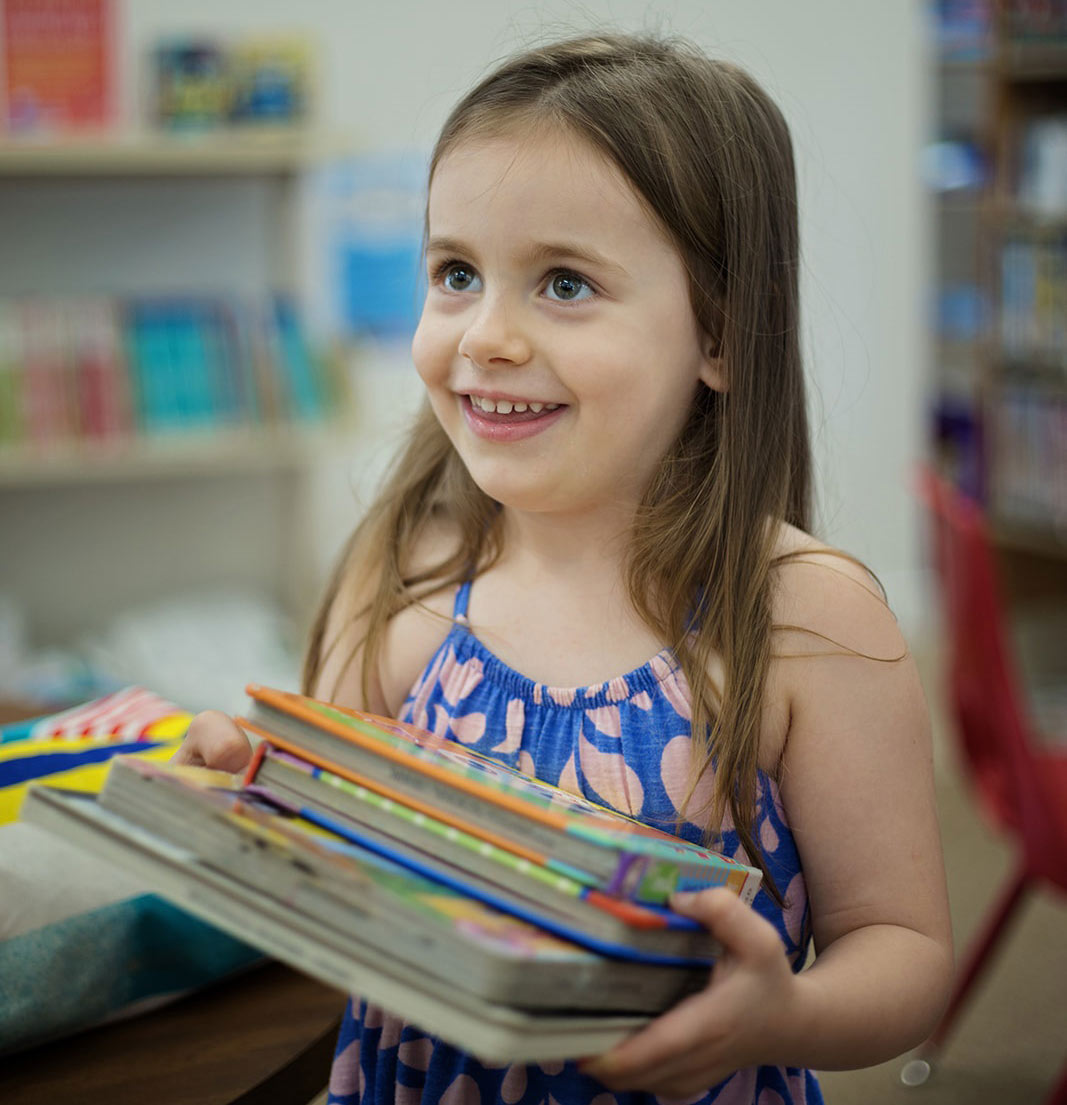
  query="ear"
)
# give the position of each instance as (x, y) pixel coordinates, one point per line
(713, 368)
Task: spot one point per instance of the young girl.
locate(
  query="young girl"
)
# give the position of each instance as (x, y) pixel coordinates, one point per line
(613, 465)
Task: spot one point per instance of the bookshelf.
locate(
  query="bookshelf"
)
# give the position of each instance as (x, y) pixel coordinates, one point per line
(219, 216)
(1024, 239)
(143, 154)
(213, 453)
(1002, 348)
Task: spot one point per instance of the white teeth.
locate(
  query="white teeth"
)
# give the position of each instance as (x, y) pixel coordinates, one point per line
(506, 406)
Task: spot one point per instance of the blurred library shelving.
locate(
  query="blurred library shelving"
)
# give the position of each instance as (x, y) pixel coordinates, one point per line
(998, 168)
(167, 401)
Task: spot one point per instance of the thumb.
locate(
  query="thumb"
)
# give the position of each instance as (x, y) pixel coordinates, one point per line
(738, 927)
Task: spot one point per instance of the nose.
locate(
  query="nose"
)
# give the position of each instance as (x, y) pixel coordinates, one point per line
(493, 337)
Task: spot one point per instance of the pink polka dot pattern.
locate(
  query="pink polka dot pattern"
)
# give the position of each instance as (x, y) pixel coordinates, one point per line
(468, 728)
(416, 1053)
(606, 720)
(345, 1074)
(514, 1085)
(462, 1091)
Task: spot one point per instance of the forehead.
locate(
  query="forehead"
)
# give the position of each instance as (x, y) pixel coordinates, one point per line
(540, 183)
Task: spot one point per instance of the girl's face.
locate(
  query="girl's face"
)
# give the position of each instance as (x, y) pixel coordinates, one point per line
(557, 342)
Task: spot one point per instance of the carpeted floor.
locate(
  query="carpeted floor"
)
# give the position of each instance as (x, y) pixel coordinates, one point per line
(1010, 1043)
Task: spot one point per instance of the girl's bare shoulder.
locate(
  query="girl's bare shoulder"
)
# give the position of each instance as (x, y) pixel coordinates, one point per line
(410, 638)
(417, 631)
(829, 614)
(824, 597)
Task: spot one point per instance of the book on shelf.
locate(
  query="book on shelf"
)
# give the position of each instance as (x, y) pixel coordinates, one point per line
(1026, 21)
(597, 846)
(99, 369)
(1028, 424)
(58, 65)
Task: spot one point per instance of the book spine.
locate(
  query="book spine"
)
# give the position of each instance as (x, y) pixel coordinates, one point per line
(296, 367)
(47, 394)
(441, 802)
(533, 866)
(11, 376)
(100, 374)
(466, 890)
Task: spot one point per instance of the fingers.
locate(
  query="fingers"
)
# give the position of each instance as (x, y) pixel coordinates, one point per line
(738, 927)
(214, 740)
(708, 1035)
(651, 1058)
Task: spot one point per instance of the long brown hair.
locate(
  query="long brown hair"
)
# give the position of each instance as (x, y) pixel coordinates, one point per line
(711, 156)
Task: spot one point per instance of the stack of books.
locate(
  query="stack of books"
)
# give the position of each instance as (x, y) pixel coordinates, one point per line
(98, 369)
(513, 919)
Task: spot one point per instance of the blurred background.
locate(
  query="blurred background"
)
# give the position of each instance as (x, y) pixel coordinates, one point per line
(209, 233)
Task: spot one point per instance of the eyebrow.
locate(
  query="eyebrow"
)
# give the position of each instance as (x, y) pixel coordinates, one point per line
(544, 251)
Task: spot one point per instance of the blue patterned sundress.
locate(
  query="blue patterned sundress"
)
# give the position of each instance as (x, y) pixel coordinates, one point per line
(625, 744)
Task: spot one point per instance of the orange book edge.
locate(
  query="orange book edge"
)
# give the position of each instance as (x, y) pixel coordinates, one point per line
(294, 706)
(633, 913)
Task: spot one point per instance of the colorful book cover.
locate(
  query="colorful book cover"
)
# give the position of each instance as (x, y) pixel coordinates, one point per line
(483, 1022)
(130, 714)
(272, 79)
(648, 863)
(481, 869)
(319, 847)
(59, 65)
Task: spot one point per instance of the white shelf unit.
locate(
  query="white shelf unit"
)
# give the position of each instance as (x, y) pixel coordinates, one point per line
(90, 530)
(223, 152)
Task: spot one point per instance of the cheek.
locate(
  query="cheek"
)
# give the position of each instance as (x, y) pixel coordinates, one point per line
(420, 349)
(429, 350)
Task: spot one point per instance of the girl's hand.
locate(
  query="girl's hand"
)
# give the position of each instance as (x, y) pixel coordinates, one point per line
(214, 740)
(742, 1018)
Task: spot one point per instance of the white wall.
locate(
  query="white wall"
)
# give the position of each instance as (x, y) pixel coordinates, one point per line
(851, 80)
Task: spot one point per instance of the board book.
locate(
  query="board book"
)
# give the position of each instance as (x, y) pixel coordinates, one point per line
(247, 836)
(563, 832)
(492, 1030)
(413, 836)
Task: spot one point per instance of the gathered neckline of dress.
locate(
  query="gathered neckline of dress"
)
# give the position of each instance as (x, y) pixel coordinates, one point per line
(648, 676)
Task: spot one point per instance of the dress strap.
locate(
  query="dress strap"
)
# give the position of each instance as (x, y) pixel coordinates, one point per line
(463, 595)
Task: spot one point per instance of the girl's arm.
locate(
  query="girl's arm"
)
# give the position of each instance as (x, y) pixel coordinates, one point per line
(857, 785)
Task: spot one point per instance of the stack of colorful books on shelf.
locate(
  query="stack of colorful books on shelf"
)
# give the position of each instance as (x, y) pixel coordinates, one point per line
(1027, 21)
(1033, 296)
(1028, 434)
(514, 919)
(96, 369)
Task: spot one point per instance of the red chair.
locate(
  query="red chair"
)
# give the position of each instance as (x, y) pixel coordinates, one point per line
(1021, 785)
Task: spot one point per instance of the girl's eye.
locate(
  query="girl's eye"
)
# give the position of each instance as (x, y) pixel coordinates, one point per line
(567, 287)
(457, 277)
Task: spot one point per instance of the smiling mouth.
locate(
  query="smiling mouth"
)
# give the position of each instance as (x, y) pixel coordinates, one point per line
(510, 408)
